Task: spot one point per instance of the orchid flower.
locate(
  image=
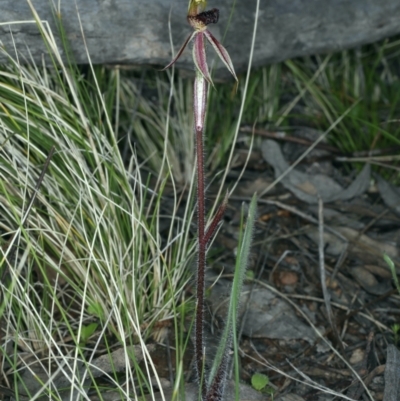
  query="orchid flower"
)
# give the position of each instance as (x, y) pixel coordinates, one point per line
(213, 388)
(199, 19)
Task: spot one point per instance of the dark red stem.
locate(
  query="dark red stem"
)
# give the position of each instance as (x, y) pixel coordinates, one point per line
(201, 262)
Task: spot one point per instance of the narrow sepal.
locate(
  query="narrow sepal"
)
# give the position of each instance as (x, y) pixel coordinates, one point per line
(199, 56)
(222, 52)
(181, 50)
(210, 232)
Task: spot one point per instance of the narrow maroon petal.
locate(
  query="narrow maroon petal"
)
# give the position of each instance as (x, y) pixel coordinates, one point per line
(192, 35)
(199, 56)
(221, 51)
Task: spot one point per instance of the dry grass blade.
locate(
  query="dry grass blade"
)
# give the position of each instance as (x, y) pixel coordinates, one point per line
(12, 245)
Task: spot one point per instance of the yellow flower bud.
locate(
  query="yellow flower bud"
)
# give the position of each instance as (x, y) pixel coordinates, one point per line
(196, 7)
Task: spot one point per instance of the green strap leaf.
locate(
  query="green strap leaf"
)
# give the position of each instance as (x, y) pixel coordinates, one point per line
(240, 272)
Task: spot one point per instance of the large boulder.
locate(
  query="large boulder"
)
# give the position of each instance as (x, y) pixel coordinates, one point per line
(137, 31)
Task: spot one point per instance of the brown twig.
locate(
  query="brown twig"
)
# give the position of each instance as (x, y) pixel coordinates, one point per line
(325, 292)
(282, 136)
(344, 156)
(356, 389)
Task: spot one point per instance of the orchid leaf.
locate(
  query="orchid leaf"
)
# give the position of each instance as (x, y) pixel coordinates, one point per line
(242, 258)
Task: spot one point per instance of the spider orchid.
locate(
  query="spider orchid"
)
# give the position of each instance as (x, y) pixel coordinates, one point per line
(211, 389)
(199, 19)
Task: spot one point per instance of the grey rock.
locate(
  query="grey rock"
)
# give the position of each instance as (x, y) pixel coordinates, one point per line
(307, 187)
(390, 194)
(392, 374)
(267, 315)
(136, 32)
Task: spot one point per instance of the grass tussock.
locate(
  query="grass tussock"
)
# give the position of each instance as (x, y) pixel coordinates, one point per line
(90, 260)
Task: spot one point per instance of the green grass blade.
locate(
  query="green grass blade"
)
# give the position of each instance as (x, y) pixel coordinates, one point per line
(392, 268)
(240, 270)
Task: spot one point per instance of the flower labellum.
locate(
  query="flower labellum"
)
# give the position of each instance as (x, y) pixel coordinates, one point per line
(205, 18)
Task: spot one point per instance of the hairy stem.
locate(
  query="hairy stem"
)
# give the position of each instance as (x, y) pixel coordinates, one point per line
(201, 261)
(200, 97)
